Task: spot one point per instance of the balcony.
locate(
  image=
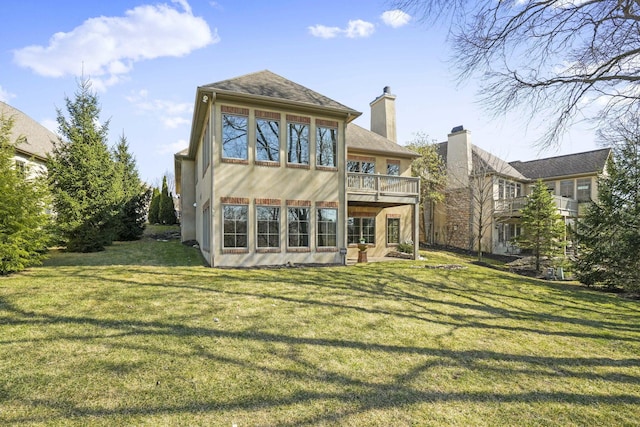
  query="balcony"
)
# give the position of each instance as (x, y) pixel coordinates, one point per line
(566, 206)
(382, 189)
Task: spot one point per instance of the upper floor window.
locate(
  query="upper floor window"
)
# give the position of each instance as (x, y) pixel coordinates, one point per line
(298, 140)
(206, 148)
(267, 136)
(362, 166)
(326, 146)
(234, 136)
(509, 189)
(584, 190)
(393, 167)
(566, 188)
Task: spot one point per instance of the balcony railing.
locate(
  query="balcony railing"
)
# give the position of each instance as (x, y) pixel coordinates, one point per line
(565, 205)
(383, 184)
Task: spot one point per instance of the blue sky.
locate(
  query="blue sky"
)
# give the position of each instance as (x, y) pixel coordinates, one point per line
(146, 58)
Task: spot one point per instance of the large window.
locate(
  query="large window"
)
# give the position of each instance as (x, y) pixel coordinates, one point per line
(234, 137)
(566, 188)
(584, 189)
(393, 167)
(393, 231)
(509, 189)
(206, 148)
(362, 166)
(327, 230)
(206, 227)
(235, 226)
(326, 146)
(267, 140)
(298, 143)
(361, 229)
(268, 219)
(298, 227)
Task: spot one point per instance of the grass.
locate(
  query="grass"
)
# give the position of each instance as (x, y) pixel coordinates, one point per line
(143, 334)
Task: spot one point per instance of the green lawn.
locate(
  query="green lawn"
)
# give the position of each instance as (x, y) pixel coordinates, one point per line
(143, 334)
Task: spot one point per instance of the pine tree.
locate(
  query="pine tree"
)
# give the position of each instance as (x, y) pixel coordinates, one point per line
(135, 195)
(81, 171)
(609, 233)
(154, 207)
(24, 227)
(543, 230)
(166, 211)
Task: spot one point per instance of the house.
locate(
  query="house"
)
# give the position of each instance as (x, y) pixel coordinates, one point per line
(485, 194)
(276, 173)
(33, 141)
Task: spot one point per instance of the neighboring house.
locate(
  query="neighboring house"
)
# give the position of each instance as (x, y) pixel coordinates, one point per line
(572, 179)
(276, 173)
(32, 140)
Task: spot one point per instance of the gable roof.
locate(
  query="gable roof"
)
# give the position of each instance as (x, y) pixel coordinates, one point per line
(33, 138)
(589, 162)
(361, 139)
(484, 162)
(266, 84)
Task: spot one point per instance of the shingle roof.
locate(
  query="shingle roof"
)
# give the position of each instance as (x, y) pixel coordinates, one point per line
(571, 164)
(35, 139)
(268, 84)
(361, 139)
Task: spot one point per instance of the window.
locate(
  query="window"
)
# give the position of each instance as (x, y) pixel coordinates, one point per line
(361, 166)
(551, 186)
(393, 168)
(234, 137)
(235, 226)
(267, 140)
(206, 227)
(206, 148)
(361, 229)
(298, 143)
(507, 232)
(327, 227)
(584, 190)
(268, 226)
(326, 146)
(566, 188)
(509, 189)
(21, 168)
(298, 227)
(393, 231)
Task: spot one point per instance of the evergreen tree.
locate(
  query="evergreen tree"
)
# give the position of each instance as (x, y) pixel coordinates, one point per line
(154, 207)
(24, 231)
(135, 195)
(166, 210)
(609, 233)
(543, 230)
(81, 172)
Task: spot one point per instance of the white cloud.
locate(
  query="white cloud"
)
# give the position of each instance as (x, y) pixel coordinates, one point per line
(5, 96)
(171, 114)
(106, 48)
(355, 29)
(395, 18)
(173, 148)
(359, 28)
(324, 32)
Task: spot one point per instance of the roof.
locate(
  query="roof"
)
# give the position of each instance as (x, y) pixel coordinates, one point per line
(485, 162)
(589, 162)
(270, 85)
(34, 139)
(361, 139)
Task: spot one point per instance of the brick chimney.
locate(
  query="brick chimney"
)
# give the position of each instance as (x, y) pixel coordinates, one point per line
(459, 160)
(383, 115)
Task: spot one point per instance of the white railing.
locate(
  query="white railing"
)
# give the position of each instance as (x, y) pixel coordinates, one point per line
(387, 184)
(564, 204)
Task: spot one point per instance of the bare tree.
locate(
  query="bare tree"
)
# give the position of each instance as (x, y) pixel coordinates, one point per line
(567, 58)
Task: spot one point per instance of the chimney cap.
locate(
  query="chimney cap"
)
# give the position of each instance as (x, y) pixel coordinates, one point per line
(387, 90)
(457, 129)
